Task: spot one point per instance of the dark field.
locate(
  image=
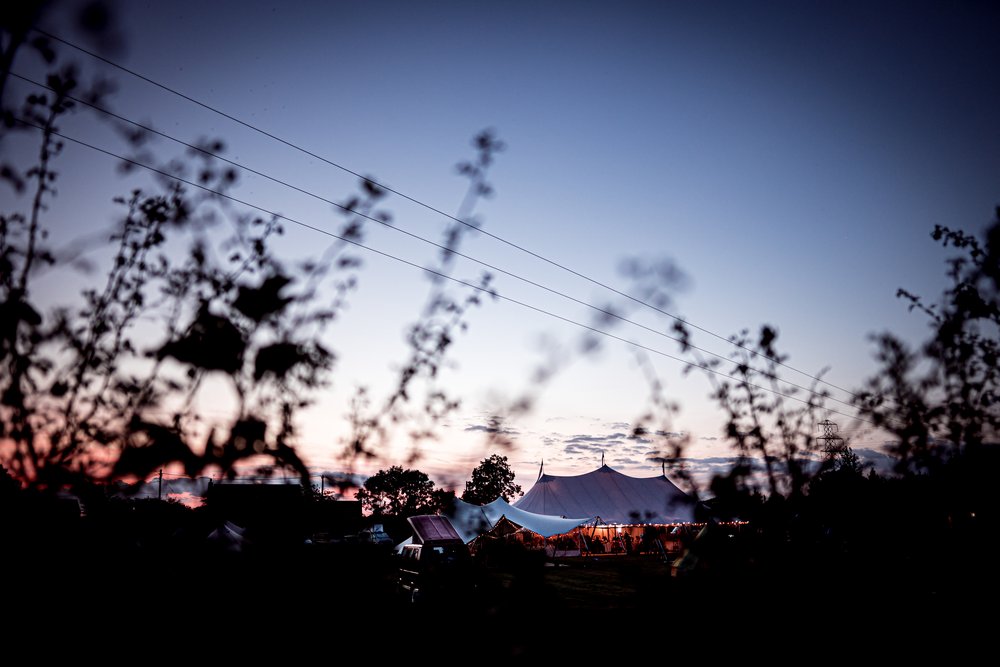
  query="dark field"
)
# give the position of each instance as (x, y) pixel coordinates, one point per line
(342, 601)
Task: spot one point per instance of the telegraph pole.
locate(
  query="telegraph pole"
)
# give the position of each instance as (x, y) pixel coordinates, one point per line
(159, 488)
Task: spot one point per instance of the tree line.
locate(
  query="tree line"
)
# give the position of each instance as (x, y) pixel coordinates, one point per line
(399, 492)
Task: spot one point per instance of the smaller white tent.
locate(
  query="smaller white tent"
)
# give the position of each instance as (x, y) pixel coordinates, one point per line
(471, 521)
(228, 537)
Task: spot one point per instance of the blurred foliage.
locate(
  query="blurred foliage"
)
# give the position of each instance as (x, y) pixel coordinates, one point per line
(113, 386)
(107, 388)
(817, 517)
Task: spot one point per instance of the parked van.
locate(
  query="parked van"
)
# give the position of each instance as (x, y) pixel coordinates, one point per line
(437, 565)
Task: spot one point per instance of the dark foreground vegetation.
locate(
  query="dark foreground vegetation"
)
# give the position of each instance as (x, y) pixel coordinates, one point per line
(885, 558)
(831, 553)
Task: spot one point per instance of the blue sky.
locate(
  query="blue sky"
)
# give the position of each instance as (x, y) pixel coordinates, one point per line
(790, 158)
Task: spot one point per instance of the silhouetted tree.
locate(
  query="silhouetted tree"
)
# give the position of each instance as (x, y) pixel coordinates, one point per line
(397, 492)
(491, 479)
(442, 501)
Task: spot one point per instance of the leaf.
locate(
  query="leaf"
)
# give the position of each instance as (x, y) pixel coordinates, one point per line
(44, 48)
(248, 434)
(8, 174)
(212, 342)
(372, 189)
(161, 446)
(259, 302)
(277, 359)
(247, 438)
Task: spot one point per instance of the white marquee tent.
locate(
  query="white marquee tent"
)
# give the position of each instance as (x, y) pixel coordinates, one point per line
(611, 496)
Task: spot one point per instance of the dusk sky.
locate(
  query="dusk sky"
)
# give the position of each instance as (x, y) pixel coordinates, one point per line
(789, 158)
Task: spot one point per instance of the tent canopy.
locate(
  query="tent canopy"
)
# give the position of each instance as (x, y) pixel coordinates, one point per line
(610, 495)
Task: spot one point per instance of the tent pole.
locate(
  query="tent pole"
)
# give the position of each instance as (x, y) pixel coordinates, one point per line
(663, 551)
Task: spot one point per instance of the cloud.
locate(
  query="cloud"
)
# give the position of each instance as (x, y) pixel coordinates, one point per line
(188, 499)
(583, 448)
(596, 438)
(184, 487)
(620, 443)
(882, 462)
(491, 428)
(615, 438)
(640, 432)
(709, 465)
(707, 437)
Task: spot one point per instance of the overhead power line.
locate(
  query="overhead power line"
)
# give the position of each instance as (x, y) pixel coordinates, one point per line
(492, 267)
(447, 215)
(440, 274)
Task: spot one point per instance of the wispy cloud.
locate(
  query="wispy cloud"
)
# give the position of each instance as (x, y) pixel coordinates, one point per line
(491, 428)
(598, 438)
(169, 486)
(882, 462)
(709, 465)
(584, 438)
(580, 448)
